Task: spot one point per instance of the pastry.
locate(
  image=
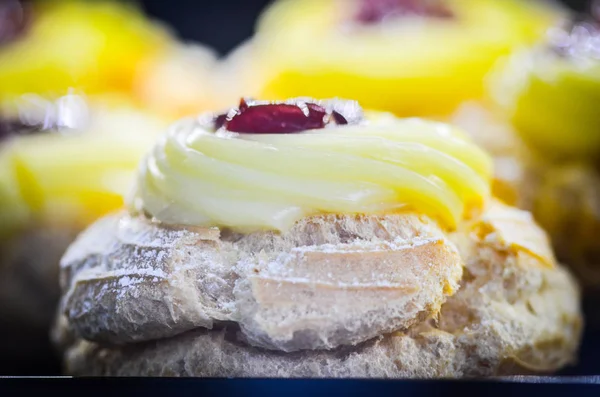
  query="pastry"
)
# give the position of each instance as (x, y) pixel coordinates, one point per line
(409, 57)
(543, 102)
(310, 238)
(93, 46)
(65, 162)
(548, 92)
(106, 48)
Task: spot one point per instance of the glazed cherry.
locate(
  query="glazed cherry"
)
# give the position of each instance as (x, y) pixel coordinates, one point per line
(375, 11)
(277, 118)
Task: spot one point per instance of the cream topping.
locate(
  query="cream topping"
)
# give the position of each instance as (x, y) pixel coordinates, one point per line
(196, 175)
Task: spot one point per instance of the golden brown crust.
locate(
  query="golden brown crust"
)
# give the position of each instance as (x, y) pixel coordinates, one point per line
(330, 281)
(514, 313)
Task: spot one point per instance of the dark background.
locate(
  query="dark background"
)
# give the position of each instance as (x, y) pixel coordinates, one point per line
(222, 24)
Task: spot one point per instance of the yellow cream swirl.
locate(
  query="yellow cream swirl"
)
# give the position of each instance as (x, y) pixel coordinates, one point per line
(248, 182)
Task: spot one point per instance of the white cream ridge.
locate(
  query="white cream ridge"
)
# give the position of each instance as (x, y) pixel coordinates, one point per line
(198, 176)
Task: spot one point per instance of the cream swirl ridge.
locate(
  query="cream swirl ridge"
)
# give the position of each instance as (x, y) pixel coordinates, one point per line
(198, 176)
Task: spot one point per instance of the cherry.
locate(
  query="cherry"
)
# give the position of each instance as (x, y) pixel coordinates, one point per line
(375, 11)
(277, 118)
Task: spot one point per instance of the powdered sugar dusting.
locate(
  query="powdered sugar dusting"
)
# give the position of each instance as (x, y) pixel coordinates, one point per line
(362, 246)
(151, 281)
(355, 284)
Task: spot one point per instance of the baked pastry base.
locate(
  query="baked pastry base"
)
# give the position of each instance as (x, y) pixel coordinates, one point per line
(516, 311)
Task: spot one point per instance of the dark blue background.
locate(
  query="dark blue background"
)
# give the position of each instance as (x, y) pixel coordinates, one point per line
(223, 24)
(148, 387)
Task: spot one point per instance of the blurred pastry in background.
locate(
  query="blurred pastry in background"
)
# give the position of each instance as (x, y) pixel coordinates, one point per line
(236, 76)
(65, 162)
(105, 47)
(84, 85)
(306, 238)
(511, 157)
(94, 46)
(179, 82)
(410, 57)
(550, 92)
(543, 127)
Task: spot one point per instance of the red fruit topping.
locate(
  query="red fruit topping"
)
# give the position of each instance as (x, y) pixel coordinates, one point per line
(375, 11)
(243, 105)
(277, 118)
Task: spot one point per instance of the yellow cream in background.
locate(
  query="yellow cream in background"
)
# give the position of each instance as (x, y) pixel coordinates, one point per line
(96, 46)
(73, 176)
(249, 182)
(411, 66)
(551, 101)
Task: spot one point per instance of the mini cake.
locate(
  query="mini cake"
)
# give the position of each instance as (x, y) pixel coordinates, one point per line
(409, 57)
(307, 238)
